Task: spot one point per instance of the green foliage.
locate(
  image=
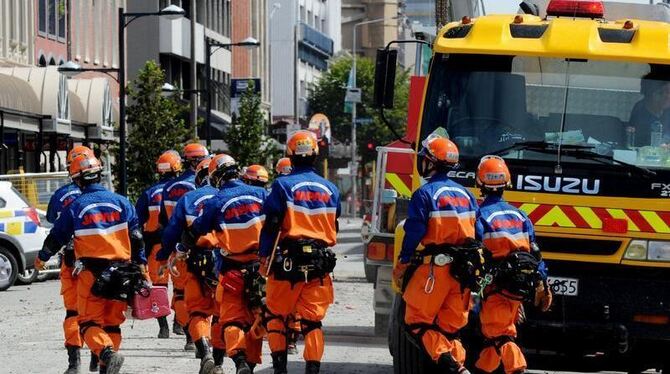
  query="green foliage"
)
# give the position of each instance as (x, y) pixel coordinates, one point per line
(155, 124)
(327, 97)
(246, 138)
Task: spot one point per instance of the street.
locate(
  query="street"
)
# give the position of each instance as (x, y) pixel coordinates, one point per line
(31, 334)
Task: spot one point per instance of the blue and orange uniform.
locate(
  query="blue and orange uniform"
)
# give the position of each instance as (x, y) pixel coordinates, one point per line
(235, 217)
(503, 229)
(148, 208)
(305, 206)
(198, 301)
(441, 213)
(59, 201)
(173, 190)
(101, 222)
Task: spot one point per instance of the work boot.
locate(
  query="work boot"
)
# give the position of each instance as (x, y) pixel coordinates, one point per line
(207, 362)
(279, 362)
(73, 360)
(218, 355)
(312, 367)
(241, 365)
(103, 369)
(252, 366)
(189, 346)
(94, 364)
(164, 329)
(176, 328)
(447, 362)
(112, 360)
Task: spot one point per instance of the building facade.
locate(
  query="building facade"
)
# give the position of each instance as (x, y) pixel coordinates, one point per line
(17, 33)
(169, 42)
(369, 36)
(317, 23)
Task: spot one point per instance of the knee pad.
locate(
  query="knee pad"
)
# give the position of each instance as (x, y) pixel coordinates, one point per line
(112, 329)
(271, 317)
(242, 326)
(498, 342)
(198, 314)
(307, 326)
(71, 313)
(83, 326)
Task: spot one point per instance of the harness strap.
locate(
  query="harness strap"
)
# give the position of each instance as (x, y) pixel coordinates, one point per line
(116, 329)
(83, 326)
(307, 326)
(242, 326)
(269, 316)
(71, 313)
(425, 327)
(498, 342)
(198, 314)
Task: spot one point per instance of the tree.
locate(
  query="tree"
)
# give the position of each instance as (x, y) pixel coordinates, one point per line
(155, 124)
(246, 138)
(327, 97)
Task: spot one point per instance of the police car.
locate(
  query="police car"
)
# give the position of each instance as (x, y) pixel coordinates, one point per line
(21, 237)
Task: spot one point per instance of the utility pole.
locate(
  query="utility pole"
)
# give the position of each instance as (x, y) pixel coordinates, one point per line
(194, 76)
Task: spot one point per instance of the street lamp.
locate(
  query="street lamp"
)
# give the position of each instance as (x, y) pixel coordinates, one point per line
(171, 12)
(168, 90)
(354, 164)
(248, 43)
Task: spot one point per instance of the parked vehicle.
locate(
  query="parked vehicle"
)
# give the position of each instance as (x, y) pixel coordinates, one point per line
(21, 237)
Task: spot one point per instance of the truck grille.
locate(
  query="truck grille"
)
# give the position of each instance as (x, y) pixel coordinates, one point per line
(578, 246)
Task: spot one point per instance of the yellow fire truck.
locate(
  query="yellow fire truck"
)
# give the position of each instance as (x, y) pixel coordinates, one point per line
(579, 106)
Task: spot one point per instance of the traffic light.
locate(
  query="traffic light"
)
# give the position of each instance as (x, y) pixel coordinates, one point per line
(370, 150)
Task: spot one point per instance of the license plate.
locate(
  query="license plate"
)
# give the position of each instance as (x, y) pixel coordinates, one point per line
(564, 286)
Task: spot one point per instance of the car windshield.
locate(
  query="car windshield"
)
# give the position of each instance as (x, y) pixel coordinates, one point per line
(490, 103)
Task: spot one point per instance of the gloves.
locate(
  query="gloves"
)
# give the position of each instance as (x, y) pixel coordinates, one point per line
(543, 297)
(39, 264)
(181, 252)
(161, 269)
(399, 274)
(265, 266)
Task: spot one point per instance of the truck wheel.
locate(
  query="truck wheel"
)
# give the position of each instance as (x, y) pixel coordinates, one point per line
(407, 357)
(370, 273)
(27, 277)
(8, 269)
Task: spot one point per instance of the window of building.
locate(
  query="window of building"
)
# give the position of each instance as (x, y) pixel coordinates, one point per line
(309, 18)
(51, 17)
(42, 15)
(323, 26)
(302, 13)
(60, 13)
(51, 14)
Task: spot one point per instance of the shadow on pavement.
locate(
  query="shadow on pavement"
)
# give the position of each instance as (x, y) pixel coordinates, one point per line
(337, 368)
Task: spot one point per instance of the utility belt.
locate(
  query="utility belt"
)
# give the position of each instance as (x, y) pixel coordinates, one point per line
(200, 262)
(114, 280)
(67, 254)
(516, 276)
(244, 278)
(303, 260)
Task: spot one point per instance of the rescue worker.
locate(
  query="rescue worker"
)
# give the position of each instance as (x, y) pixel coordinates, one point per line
(301, 215)
(235, 217)
(59, 201)
(283, 166)
(441, 215)
(255, 175)
(106, 238)
(168, 166)
(200, 279)
(504, 230)
(172, 191)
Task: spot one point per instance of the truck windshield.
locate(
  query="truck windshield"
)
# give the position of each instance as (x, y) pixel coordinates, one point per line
(490, 103)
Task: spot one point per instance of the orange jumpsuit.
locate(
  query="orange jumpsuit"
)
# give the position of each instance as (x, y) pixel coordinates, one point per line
(307, 207)
(148, 208)
(441, 212)
(503, 229)
(234, 216)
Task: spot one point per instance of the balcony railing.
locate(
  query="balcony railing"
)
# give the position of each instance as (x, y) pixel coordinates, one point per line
(317, 40)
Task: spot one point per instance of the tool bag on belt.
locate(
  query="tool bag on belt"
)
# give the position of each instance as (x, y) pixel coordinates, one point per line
(68, 254)
(516, 276)
(244, 279)
(469, 262)
(200, 262)
(116, 280)
(303, 260)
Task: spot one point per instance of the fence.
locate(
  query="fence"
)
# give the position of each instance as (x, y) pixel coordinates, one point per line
(37, 188)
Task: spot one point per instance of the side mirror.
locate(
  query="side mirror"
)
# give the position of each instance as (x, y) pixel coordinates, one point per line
(385, 68)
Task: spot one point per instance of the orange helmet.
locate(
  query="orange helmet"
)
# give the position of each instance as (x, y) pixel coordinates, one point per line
(85, 167)
(222, 168)
(302, 143)
(440, 150)
(284, 166)
(202, 171)
(492, 173)
(78, 150)
(195, 152)
(257, 174)
(168, 162)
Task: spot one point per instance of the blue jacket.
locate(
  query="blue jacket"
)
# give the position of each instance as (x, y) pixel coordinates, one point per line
(101, 222)
(187, 209)
(61, 199)
(440, 212)
(235, 215)
(148, 206)
(503, 228)
(305, 206)
(173, 190)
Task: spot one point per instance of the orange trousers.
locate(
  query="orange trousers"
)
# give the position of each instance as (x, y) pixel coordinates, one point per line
(497, 317)
(203, 312)
(446, 306)
(154, 265)
(68, 289)
(179, 285)
(308, 300)
(99, 319)
(236, 320)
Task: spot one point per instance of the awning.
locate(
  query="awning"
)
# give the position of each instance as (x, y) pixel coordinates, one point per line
(91, 105)
(16, 94)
